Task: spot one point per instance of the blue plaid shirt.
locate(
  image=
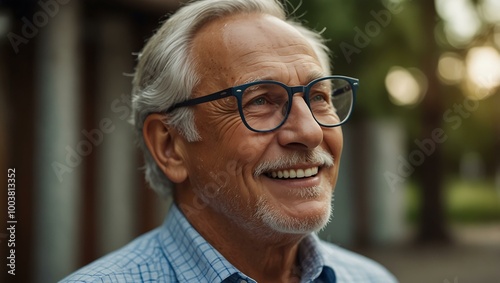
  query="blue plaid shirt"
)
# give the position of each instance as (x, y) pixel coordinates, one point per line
(176, 252)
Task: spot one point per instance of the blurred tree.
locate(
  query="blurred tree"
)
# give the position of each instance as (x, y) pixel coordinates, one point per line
(432, 222)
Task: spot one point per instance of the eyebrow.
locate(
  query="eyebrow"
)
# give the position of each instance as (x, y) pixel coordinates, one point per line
(254, 79)
(314, 75)
(309, 78)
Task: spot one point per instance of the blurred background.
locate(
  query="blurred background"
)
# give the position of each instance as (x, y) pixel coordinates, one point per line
(419, 189)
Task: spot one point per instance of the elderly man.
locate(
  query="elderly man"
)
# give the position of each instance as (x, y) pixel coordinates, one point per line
(238, 117)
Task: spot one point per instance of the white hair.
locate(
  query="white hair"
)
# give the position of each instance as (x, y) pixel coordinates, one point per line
(165, 72)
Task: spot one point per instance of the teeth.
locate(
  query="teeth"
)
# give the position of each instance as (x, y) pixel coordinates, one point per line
(292, 173)
(308, 172)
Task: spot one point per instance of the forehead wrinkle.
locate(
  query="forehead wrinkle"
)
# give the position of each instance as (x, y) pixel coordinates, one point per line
(266, 70)
(281, 52)
(299, 47)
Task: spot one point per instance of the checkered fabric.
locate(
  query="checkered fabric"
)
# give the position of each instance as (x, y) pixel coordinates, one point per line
(176, 252)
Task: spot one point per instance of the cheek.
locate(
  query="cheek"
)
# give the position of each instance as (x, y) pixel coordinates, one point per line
(334, 140)
(222, 148)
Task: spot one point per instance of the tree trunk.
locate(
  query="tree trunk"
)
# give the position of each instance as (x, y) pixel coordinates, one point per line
(431, 174)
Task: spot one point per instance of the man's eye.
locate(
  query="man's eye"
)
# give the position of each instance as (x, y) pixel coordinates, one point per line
(317, 98)
(259, 101)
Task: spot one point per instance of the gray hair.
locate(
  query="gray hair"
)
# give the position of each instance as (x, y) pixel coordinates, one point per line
(165, 72)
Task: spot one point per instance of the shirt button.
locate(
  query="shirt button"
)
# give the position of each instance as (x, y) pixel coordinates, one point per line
(243, 281)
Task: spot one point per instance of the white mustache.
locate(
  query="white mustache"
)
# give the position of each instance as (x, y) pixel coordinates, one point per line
(317, 156)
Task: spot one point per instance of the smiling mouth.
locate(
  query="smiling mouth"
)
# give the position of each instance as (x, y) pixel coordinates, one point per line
(293, 173)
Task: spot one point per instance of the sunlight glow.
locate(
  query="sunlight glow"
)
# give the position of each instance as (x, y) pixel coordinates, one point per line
(490, 10)
(483, 69)
(483, 66)
(462, 22)
(451, 68)
(405, 87)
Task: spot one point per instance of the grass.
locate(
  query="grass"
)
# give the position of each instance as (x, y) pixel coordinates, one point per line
(465, 202)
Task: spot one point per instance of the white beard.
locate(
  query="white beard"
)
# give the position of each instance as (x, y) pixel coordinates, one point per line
(282, 223)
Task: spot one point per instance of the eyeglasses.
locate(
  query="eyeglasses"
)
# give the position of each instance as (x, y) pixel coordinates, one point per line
(264, 106)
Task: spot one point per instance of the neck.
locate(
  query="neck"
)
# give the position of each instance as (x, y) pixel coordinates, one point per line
(250, 249)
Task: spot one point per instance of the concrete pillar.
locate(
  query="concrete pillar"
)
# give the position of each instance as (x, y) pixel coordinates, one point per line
(388, 207)
(58, 145)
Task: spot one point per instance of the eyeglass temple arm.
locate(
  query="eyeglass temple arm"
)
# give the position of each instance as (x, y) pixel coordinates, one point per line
(351, 85)
(195, 101)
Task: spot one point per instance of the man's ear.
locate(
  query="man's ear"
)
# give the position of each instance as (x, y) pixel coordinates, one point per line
(165, 145)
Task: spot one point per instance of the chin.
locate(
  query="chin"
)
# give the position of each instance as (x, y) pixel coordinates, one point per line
(294, 221)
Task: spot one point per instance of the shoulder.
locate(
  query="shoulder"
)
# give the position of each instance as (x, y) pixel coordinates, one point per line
(140, 260)
(353, 267)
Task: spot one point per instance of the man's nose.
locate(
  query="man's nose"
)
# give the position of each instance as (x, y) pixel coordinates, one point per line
(300, 129)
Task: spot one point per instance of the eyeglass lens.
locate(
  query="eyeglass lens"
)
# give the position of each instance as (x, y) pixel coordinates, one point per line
(264, 106)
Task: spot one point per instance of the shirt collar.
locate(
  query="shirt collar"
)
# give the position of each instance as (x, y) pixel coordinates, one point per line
(313, 262)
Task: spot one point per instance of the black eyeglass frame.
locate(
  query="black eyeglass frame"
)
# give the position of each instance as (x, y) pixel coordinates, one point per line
(237, 91)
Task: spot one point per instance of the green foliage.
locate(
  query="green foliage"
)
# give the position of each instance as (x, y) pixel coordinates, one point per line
(471, 202)
(466, 202)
